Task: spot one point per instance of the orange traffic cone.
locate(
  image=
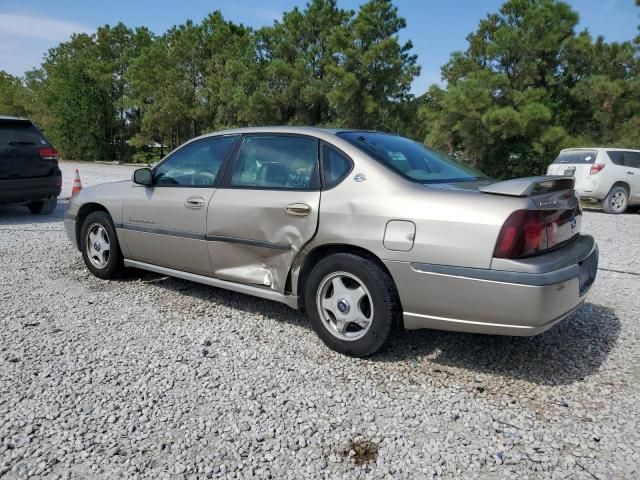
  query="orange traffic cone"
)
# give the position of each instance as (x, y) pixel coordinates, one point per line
(77, 184)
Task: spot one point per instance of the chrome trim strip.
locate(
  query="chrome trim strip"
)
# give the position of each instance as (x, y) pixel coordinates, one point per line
(247, 241)
(163, 231)
(261, 292)
(199, 236)
(520, 278)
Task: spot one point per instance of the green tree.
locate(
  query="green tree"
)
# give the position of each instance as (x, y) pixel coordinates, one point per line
(13, 96)
(528, 85)
(295, 58)
(373, 75)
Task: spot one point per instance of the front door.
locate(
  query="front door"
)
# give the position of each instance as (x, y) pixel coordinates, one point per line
(266, 210)
(165, 224)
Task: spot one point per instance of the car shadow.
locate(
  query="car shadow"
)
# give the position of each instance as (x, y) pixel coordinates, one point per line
(565, 354)
(568, 352)
(20, 215)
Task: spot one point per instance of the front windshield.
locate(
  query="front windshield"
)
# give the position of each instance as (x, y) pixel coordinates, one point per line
(411, 159)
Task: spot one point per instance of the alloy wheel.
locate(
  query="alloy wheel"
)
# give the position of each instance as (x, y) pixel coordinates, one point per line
(345, 306)
(98, 245)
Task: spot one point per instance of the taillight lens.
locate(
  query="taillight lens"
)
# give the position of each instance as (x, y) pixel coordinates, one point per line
(48, 153)
(595, 168)
(527, 232)
(524, 233)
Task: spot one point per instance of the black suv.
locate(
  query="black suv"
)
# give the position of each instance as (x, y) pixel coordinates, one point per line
(29, 172)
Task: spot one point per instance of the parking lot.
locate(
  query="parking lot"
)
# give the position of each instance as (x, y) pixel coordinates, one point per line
(154, 377)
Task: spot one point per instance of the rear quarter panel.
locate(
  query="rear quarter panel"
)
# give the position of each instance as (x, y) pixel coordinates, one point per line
(453, 227)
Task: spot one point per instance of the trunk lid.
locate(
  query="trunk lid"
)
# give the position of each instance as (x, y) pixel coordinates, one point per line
(20, 144)
(555, 200)
(553, 197)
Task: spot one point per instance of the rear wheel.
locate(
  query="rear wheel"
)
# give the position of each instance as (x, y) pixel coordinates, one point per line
(43, 207)
(99, 246)
(616, 200)
(352, 304)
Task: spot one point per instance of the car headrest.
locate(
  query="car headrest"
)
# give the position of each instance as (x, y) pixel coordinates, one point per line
(273, 174)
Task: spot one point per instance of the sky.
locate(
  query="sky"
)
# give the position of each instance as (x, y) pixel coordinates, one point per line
(28, 28)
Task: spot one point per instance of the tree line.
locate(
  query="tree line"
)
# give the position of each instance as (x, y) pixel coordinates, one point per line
(527, 85)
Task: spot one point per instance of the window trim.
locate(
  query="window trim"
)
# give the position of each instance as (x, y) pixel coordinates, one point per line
(223, 166)
(315, 186)
(341, 152)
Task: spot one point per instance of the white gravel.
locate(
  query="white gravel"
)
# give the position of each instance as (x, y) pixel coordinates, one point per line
(153, 377)
(92, 174)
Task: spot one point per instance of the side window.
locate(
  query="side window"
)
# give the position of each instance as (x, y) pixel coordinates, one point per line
(617, 157)
(276, 161)
(195, 165)
(632, 159)
(335, 166)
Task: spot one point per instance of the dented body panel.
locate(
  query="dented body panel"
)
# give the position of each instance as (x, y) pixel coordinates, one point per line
(254, 238)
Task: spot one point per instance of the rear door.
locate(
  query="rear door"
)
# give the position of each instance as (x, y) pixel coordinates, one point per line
(20, 144)
(576, 163)
(266, 210)
(629, 163)
(164, 224)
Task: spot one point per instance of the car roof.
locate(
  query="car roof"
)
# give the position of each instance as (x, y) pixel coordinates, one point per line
(285, 129)
(610, 149)
(9, 117)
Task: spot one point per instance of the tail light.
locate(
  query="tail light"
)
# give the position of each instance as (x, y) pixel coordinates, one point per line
(595, 168)
(524, 233)
(48, 153)
(527, 232)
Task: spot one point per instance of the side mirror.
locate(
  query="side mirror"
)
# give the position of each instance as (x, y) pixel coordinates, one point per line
(143, 176)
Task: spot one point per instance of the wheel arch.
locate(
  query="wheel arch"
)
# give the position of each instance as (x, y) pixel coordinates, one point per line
(623, 184)
(83, 212)
(299, 274)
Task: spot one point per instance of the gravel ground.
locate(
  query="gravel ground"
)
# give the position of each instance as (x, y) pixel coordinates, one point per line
(91, 174)
(154, 377)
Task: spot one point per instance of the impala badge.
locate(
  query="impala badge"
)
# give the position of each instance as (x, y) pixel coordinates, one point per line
(359, 177)
(142, 220)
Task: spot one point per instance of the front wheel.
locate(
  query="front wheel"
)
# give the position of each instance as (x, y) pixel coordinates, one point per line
(352, 304)
(616, 201)
(99, 246)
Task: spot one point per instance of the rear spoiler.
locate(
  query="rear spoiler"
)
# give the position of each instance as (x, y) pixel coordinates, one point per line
(528, 186)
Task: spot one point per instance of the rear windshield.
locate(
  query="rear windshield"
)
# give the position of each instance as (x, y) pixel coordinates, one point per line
(577, 156)
(20, 133)
(411, 159)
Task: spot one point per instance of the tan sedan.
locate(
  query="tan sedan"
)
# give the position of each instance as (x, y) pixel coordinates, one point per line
(364, 230)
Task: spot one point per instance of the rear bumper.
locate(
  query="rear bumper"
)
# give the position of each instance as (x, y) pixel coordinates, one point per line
(591, 189)
(529, 298)
(30, 189)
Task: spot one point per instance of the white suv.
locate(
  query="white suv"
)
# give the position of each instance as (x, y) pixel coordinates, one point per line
(609, 175)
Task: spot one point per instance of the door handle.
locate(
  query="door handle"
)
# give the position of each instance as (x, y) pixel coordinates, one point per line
(630, 173)
(194, 202)
(298, 209)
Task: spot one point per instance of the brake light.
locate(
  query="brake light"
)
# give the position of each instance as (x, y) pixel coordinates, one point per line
(524, 233)
(527, 232)
(595, 168)
(47, 153)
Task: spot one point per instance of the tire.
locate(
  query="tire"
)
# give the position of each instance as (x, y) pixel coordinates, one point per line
(43, 207)
(103, 257)
(343, 288)
(616, 201)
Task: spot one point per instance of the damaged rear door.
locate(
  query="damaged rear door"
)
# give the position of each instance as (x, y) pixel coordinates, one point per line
(266, 209)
